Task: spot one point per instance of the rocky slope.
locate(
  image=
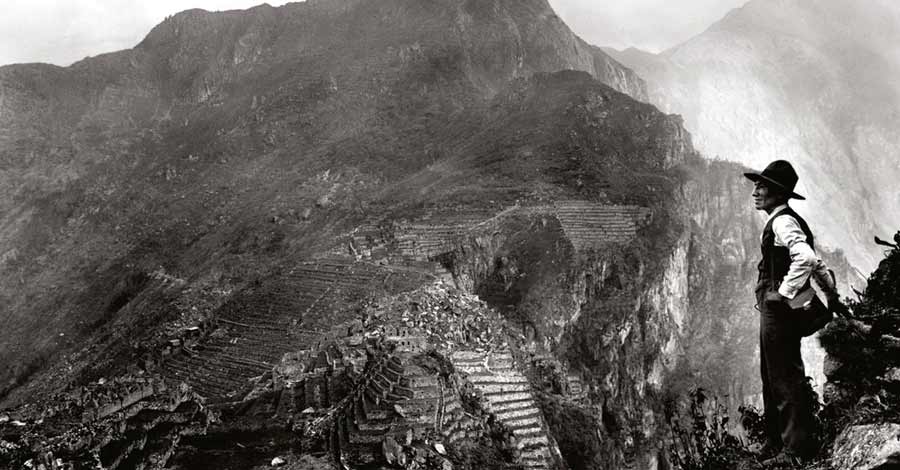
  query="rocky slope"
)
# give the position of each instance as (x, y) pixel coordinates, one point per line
(863, 374)
(176, 157)
(812, 82)
(260, 205)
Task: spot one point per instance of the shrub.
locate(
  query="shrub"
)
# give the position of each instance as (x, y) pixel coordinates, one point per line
(700, 437)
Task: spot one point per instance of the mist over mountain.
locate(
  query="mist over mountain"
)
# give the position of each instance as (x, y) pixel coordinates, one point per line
(347, 231)
(811, 82)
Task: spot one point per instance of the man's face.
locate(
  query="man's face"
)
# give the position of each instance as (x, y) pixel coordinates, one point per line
(765, 198)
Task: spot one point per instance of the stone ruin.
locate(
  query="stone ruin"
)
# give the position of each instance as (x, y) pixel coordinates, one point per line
(587, 225)
(115, 424)
(508, 395)
(380, 395)
(386, 391)
(247, 337)
(418, 376)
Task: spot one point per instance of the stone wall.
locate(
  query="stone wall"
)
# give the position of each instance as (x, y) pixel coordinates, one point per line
(123, 423)
(591, 226)
(255, 330)
(507, 394)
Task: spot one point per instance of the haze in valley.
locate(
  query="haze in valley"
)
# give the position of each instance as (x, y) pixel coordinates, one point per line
(354, 213)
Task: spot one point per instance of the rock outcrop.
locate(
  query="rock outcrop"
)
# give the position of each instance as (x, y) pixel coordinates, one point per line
(868, 447)
(121, 424)
(862, 393)
(318, 217)
(224, 141)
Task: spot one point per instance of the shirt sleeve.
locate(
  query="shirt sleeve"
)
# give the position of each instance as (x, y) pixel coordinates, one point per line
(824, 283)
(803, 259)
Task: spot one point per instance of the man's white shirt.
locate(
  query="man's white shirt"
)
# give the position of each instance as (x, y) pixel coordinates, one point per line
(804, 261)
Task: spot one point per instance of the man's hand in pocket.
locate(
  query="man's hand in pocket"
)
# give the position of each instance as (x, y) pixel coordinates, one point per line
(774, 297)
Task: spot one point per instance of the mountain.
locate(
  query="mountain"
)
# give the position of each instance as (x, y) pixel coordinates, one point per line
(347, 230)
(152, 159)
(811, 82)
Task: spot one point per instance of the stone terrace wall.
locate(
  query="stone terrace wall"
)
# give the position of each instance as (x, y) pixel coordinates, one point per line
(255, 332)
(587, 225)
(509, 397)
(590, 226)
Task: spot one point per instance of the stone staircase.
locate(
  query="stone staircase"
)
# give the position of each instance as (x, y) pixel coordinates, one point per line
(456, 424)
(509, 398)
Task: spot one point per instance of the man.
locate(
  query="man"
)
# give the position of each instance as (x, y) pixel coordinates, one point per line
(788, 264)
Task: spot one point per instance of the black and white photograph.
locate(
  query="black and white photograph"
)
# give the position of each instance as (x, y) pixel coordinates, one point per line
(450, 235)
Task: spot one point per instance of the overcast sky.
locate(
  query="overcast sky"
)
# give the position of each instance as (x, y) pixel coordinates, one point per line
(63, 31)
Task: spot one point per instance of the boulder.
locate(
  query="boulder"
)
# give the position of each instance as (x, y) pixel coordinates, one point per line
(890, 343)
(870, 405)
(392, 451)
(891, 376)
(868, 447)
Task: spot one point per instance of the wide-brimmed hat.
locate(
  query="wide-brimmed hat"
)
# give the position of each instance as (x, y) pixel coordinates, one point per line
(779, 174)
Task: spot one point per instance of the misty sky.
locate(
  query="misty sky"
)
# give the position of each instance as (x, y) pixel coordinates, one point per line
(652, 25)
(63, 31)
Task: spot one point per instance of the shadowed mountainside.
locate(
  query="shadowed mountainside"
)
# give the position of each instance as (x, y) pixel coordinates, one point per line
(239, 188)
(174, 157)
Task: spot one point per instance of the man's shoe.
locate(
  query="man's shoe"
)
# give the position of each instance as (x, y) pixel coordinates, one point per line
(783, 459)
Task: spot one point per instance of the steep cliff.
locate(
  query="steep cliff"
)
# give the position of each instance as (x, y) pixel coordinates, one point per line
(811, 82)
(638, 320)
(263, 206)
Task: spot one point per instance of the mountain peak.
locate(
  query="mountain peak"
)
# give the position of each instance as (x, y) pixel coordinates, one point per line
(524, 37)
(379, 86)
(811, 82)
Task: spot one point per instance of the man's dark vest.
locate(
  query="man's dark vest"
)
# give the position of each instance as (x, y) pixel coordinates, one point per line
(776, 260)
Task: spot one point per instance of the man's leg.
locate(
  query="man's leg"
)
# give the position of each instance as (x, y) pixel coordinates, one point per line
(800, 434)
(770, 405)
(789, 388)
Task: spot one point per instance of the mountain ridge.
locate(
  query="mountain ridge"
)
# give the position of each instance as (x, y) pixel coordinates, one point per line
(250, 206)
(116, 157)
(805, 82)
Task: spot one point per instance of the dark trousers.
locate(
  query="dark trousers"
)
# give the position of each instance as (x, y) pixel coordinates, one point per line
(787, 396)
